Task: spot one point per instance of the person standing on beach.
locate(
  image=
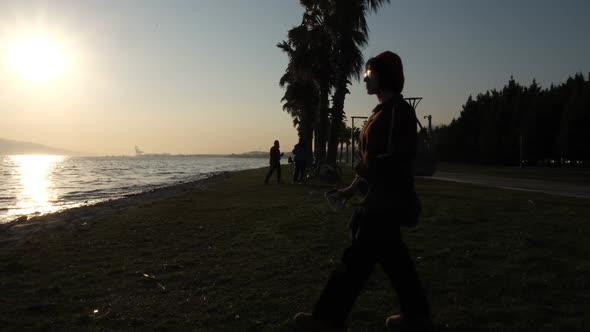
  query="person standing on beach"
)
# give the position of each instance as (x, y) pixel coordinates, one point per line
(385, 178)
(275, 162)
(300, 156)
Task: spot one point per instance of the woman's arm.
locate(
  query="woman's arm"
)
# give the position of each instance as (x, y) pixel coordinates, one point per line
(354, 188)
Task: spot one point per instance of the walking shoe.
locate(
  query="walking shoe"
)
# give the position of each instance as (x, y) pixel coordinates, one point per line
(305, 322)
(396, 323)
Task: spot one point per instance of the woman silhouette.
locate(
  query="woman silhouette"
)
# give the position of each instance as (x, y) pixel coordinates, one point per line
(385, 178)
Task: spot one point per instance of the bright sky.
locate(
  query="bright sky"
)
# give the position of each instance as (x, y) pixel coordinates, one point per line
(201, 76)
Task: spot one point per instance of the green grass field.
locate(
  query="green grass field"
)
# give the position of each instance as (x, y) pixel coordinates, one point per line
(242, 256)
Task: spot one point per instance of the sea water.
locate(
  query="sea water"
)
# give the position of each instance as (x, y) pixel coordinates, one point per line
(40, 184)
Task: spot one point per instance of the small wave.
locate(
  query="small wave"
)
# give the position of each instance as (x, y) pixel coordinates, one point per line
(65, 187)
(168, 173)
(84, 194)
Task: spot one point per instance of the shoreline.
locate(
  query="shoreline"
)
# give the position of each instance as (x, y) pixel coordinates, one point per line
(24, 226)
(98, 200)
(88, 181)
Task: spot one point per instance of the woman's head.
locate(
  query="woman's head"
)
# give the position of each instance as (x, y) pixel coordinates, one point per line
(384, 72)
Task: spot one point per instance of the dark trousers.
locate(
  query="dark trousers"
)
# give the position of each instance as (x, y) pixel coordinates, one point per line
(299, 173)
(375, 240)
(274, 166)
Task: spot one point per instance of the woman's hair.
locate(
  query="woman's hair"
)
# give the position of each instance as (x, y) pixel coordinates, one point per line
(389, 69)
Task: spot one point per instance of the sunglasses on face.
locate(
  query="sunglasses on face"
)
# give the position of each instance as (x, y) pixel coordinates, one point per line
(368, 73)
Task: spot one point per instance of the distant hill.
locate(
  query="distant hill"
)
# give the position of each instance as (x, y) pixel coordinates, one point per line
(251, 154)
(10, 147)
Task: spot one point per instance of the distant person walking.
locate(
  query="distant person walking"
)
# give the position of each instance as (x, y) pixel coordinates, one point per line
(300, 156)
(385, 177)
(275, 162)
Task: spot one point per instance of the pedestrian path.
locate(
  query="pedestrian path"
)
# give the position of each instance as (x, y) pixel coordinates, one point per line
(532, 185)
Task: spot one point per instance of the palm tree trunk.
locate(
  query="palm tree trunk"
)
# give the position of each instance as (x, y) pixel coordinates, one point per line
(341, 148)
(323, 126)
(347, 153)
(332, 143)
(308, 137)
(337, 117)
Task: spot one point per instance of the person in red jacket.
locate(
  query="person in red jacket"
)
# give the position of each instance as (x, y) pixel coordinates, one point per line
(275, 162)
(384, 178)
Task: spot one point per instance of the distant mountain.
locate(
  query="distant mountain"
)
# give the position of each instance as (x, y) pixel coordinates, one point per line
(251, 154)
(10, 147)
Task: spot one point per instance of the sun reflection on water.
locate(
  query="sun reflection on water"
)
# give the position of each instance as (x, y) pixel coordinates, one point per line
(34, 173)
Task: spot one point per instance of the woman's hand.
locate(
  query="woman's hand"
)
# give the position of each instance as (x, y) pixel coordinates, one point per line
(344, 194)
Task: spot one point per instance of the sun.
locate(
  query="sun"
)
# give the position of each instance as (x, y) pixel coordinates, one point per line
(37, 59)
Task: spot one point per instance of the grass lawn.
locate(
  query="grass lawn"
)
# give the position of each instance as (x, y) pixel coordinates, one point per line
(242, 256)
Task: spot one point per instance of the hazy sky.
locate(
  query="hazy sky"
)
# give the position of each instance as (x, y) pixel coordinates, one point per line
(202, 76)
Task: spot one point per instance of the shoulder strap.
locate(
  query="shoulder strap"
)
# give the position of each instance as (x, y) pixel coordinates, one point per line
(390, 142)
(390, 145)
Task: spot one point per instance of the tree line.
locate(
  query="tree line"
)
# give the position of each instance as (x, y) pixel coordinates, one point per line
(517, 123)
(325, 54)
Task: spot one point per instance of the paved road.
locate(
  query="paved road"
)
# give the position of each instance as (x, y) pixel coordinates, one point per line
(547, 187)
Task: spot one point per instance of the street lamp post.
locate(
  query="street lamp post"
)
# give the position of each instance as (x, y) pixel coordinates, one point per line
(429, 117)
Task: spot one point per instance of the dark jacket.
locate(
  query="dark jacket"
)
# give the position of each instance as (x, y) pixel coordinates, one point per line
(299, 153)
(385, 172)
(275, 155)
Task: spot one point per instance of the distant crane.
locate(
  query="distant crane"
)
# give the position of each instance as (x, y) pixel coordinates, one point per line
(138, 152)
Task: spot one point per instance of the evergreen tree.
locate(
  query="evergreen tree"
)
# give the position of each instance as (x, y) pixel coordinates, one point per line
(550, 122)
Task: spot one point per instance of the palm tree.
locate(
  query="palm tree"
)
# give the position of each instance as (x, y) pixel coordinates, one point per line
(314, 21)
(301, 91)
(300, 100)
(308, 47)
(348, 26)
(345, 139)
(325, 49)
